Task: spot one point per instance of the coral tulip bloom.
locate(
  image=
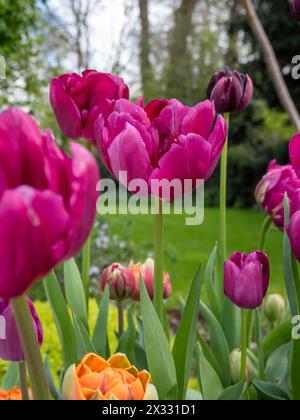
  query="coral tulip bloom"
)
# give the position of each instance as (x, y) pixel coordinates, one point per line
(115, 379)
(146, 272)
(47, 202)
(79, 100)
(13, 395)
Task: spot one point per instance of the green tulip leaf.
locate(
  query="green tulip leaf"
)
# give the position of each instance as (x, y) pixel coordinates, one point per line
(128, 339)
(84, 342)
(160, 360)
(278, 337)
(100, 335)
(295, 369)
(270, 392)
(184, 345)
(211, 285)
(62, 319)
(277, 368)
(233, 393)
(209, 381)
(11, 378)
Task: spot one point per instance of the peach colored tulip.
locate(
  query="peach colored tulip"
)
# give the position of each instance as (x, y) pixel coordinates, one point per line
(115, 379)
(13, 395)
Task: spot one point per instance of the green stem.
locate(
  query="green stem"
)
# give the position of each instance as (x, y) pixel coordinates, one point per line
(23, 381)
(159, 263)
(120, 317)
(31, 348)
(86, 264)
(223, 198)
(266, 226)
(244, 344)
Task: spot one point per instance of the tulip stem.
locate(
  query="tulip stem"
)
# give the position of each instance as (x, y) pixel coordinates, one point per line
(86, 263)
(23, 381)
(244, 344)
(266, 226)
(223, 197)
(30, 348)
(159, 263)
(120, 317)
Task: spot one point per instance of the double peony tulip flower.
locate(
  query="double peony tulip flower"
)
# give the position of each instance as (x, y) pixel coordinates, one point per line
(163, 141)
(14, 394)
(115, 379)
(79, 100)
(271, 190)
(47, 202)
(11, 347)
(146, 272)
(120, 280)
(246, 279)
(230, 90)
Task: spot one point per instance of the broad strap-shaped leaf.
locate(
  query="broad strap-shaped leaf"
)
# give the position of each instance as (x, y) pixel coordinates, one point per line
(75, 291)
(100, 340)
(214, 292)
(270, 392)
(209, 381)
(277, 368)
(233, 393)
(295, 370)
(62, 319)
(278, 337)
(160, 360)
(11, 378)
(289, 275)
(51, 385)
(231, 324)
(184, 345)
(128, 340)
(84, 342)
(219, 344)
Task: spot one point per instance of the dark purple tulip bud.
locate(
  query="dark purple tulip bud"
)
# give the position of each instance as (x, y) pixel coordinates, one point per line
(10, 343)
(120, 280)
(246, 279)
(295, 9)
(271, 189)
(230, 90)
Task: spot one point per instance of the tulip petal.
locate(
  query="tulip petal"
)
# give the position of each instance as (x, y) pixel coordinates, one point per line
(199, 119)
(71, 386)
(151, 393)
(119, 361)
(294, 148)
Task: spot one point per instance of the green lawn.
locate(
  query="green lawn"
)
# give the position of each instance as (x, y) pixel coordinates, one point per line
(186, 246)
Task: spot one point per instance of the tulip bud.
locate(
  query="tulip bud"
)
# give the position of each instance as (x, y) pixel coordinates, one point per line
(146, 272)
(11, 347)
(246, 279)
(230, 90)
(274, 308)
(278, 181)
(235, 366)
(120, 280)
(295, 9)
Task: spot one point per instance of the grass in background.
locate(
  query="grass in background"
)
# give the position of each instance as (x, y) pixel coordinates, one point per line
(187, 246)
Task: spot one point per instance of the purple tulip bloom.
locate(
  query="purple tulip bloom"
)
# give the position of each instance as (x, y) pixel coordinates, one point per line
(271, 190)
(79, 100)
(230, 90)
(10, 346)
(246, 279)
(47, 202)
(295, 9)
(163, 141)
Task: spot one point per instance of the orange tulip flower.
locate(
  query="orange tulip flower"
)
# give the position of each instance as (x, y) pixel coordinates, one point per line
(115, 379)
(13, 395)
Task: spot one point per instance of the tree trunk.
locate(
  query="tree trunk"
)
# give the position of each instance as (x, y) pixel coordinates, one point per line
(180, 71)
(145, 50)
(272, 64)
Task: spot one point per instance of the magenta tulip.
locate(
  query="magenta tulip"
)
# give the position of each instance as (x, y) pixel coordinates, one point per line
(164, 141)
(47, 202)
(295, 9)
(230, 90)
(120, 281)
(10, 345)
(293, 228)
(79, 100)
(271, 190)
(246, 279)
